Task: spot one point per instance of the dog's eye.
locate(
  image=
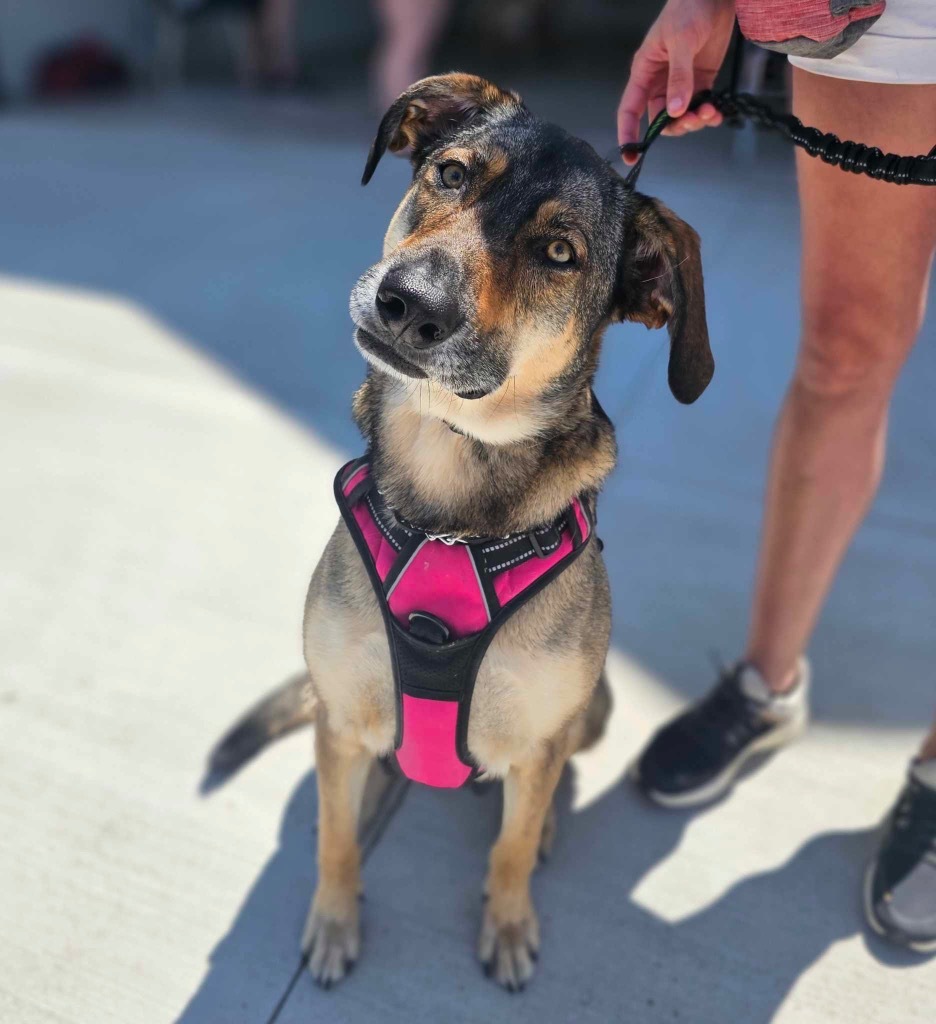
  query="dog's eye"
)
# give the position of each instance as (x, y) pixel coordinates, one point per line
(559, 251)
(452, 175)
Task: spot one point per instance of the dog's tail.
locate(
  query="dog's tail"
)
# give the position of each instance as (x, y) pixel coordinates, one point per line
(290, 706)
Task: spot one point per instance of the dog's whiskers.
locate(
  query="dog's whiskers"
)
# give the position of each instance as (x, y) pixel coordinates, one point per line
(666, 273)
(410, 392)
(496, 407)
(396, 337)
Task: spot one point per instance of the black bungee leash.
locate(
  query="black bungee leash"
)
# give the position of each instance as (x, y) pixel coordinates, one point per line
(850, 156)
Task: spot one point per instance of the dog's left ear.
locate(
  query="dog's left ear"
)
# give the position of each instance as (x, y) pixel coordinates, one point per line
(431, 109)
(660, 282)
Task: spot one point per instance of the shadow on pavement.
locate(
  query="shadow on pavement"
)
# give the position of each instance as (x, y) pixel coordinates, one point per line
(737, 959)
(251, 966)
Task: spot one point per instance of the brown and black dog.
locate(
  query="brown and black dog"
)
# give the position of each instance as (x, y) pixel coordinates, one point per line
(513, 249)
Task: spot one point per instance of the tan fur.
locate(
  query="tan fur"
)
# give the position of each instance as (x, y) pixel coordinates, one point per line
(531, 698)
(396, 230)
(439, 464)
(555, 217)
(510, 456)
(496, 163)
(466, 91)
(539, 354)
(529, 713)
(515, 459)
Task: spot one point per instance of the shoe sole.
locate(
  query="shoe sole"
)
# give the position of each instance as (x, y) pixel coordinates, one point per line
(776, 738)
(928, 946)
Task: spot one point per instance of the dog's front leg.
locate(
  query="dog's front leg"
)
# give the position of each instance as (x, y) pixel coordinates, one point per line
(510, 932)
(332, 935)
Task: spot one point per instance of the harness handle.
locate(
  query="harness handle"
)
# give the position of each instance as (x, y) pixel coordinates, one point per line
(850, 156)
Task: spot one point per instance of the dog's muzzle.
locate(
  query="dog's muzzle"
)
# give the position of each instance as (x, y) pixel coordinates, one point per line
(419, 312)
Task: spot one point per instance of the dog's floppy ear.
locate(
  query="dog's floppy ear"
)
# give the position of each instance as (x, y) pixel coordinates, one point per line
(430, 109)
(660, 282)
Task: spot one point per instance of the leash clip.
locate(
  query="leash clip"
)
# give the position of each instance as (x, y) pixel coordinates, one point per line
(446, 538)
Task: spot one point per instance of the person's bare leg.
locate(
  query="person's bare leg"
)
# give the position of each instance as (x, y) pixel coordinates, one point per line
(867, 253)
(928, 750)
(276, 36)
(409, 31)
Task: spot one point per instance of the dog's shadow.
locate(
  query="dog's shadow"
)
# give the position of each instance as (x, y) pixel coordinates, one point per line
(605, 956)
(251, 966)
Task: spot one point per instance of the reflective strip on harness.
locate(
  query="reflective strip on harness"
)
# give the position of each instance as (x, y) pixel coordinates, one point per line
(441, 580)
(464, 591)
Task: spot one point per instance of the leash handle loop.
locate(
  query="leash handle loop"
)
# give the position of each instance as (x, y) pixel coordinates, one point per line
(854, 157)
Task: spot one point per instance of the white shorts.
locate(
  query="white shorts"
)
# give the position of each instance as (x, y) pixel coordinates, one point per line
(899, 48)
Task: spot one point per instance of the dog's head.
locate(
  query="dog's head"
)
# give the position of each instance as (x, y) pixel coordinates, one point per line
(512, 249)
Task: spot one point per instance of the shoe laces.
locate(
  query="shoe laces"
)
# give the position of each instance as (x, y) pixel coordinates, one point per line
(727, 713)
(914, 820)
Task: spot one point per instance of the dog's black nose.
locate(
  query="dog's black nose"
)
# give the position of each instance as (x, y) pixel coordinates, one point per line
(425, 313)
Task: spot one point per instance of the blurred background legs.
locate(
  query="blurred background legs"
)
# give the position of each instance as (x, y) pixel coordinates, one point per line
(274, 60)
(409, 32)
(236, 24)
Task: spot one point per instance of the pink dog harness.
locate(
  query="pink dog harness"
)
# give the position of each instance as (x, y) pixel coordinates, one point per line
(443, 600)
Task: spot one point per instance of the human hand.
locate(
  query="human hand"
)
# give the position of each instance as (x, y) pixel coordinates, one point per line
(680, 55)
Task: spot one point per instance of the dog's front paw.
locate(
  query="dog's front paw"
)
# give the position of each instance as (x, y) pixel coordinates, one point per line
(331, 942)
(508, 948)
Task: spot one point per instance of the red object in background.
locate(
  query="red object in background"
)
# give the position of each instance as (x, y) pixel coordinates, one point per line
(79, 68)
(818, 21)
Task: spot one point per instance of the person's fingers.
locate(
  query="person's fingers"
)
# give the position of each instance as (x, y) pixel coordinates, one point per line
(689, 122)
(685, 125)
(628, 131)
(679, 82)
(706, 116)
(628, 126)
(655, 105)
(664, 77)
(628, 119)
(634, 100)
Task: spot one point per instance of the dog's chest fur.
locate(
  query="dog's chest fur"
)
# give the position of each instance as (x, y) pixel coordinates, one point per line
(544, 663)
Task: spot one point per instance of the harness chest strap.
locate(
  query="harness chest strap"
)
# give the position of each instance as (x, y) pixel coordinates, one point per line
(443, 601)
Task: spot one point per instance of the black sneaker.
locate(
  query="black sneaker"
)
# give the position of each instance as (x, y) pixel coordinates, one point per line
(695, 757)
(900, 885)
